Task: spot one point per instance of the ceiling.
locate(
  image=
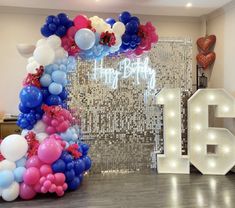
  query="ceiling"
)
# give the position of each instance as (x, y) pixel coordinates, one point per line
(148, 7)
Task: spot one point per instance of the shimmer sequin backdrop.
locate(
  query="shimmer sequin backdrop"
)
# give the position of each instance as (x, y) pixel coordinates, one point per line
(116, 100)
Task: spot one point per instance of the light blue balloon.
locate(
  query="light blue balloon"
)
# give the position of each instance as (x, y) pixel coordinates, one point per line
(19, 173)
(85, 39)
(45, 80)
(55, 88)
(6, 178)
(63, 67)
(59, 77)
(21, 162)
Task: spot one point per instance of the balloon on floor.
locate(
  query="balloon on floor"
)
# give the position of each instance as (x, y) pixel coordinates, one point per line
(49, 156)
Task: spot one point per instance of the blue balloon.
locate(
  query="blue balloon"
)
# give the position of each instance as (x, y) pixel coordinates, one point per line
(52, 27)
(85, 39)
(64, 94)
(135, 19)
(49, 19)
(63, 18)
(125, 17)
(21, 162)
(70, 175)
(53, 100)
(87, 162)
(70, 166)
(58, 166)
(81, 177)
(59, 77)
(6, 178)
(55, 88)
(19, 173)
(23, 108)
(126, 39)
(31, 97)
(45, 80)
(61, 31)
(110, 21)
(45, 93)
(74, 184)
(45, 31)
(23, 123)
(132, 27)
(79, 167)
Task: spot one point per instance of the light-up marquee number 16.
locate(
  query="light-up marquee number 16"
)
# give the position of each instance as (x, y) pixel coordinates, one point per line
(201, 137)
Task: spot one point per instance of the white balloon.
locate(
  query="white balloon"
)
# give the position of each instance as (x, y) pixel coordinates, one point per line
(119, 28)
(26, 50)
(54, 41)
(41, 136)
(24, 132)
(41, 42)
(31, 59)
(44, 54)
(7, 165)
(14, 147)
(11, 193)
(39, 127)
(31, 67)
(60, 53)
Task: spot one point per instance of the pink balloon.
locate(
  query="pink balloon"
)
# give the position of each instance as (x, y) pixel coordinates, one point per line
(81, 21)
(65, 186)
(54, 123)
(49, 151)
(52, 188)
(59, 191)
(27, 192)
(63, 126)
(47, 184)
(51, 178)
(42, 180)
(33, 162)
(46, 119)
(59, 179)
(37, 187)
(44, 190)
(31, 176)
(71, 32)
(50, 130)
(45, 170)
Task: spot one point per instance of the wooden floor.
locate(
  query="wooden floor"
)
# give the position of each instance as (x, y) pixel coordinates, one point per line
(143, 190)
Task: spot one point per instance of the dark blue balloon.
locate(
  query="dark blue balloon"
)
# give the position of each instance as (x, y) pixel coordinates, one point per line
(52, 27)
(23, 108)
(63, 18)
(126, 39)
(132, 27)
(61, 31)
(110, 21)
(56, 21)
(50, 19)
(64, 94)
(45, 93)
(58, 166)
(125, 17)
(87, 162)
(74, 184)
(53, 100)
(70, 175)
(23, 123)
(81, 177)
(79, 166)
(135, 19)
(70, 166)
(45, 31)
(31, 97)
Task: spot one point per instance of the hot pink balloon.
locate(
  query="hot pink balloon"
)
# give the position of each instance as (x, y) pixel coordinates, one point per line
(45, 170)
(59, 179)
(63, 126)
(37, 187)
(31, 176)
(71, 31)
(81, 21)
(49, 151)
(46, 119)
(50, 130)
(27, 192)
(33, 162)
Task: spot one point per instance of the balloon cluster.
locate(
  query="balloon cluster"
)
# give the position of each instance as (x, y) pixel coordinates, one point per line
(57, 119)
(94, 38)
(57, 25)
(73, 164)
(72, 134)
(13, 149)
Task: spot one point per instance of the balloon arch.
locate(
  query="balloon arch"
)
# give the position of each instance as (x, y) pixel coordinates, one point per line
(49, 156)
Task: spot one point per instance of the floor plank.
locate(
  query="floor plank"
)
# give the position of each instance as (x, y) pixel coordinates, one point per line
(142, 190)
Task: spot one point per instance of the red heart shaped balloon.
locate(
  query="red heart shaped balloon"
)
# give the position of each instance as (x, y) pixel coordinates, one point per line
(205, 60)
(205, 43)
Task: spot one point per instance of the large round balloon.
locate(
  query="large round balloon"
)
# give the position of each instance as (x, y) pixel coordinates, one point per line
(14, 147)
(31, 97)
(44, 55)
(85, 39)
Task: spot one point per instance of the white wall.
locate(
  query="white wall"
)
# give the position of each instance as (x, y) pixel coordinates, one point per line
(222, 24)
(23, 26)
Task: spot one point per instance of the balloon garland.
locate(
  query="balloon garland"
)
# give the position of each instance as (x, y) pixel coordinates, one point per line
(49, 156)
